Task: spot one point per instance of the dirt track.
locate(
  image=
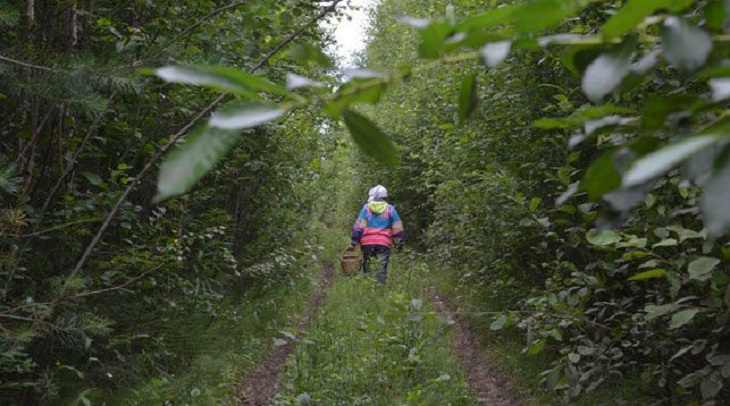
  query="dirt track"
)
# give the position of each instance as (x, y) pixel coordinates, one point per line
(262, 384)
(489, 386)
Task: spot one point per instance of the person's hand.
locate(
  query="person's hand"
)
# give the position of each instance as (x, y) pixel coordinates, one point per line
(399, 245)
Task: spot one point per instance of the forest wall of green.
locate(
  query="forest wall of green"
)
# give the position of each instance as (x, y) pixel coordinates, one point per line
(79, 122)
(481, 197)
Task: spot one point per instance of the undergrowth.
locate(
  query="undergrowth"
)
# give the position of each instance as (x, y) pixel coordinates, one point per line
(506, 349)
(230, 347)
(376, 345)
(221, 352)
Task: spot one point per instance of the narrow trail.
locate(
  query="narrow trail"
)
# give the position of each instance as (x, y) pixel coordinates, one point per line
(489, 386)
(262, 384)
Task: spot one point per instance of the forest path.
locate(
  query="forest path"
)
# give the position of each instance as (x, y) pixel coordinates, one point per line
(490, 387)
(260, 386)
(393, 344)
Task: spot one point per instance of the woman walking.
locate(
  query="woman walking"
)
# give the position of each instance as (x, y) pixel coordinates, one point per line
(378, 227)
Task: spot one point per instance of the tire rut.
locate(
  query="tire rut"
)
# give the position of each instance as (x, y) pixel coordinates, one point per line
(260, 386)
(490, 387)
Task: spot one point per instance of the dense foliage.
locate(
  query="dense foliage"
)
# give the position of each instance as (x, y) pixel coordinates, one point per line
(569, 158)
(87, 306)
(555, 200)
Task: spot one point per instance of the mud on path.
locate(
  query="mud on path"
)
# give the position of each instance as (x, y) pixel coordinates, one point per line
(490, 387)
(262, 384)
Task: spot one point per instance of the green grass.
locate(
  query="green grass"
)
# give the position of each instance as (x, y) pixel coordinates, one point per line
(505, 350)
(227, 350)
(376, 345)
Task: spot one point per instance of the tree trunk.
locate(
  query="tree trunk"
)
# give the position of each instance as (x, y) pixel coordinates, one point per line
(29, 15)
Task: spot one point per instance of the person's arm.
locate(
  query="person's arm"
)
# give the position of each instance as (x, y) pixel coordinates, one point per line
(359, 227)
(398, 231)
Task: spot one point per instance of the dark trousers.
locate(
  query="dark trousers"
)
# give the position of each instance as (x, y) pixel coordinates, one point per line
(382, 254)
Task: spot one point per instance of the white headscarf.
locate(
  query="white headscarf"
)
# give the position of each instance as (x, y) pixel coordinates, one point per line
(378, 192)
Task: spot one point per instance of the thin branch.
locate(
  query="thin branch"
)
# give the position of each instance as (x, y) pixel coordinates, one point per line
(122, 286)
(14, 317)
(296, 34)
(173, 140)
(178, 135)
(8, 313)
(207, 17)
(26, 64)
(60, 227)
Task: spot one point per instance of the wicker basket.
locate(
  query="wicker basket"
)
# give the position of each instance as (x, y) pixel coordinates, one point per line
(351, 261)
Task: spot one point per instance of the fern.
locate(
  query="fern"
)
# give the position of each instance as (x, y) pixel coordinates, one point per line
(8, 181)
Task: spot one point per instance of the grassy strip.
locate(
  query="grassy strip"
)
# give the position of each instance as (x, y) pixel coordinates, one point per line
(228, 349)
(378, 345)
(506, 349)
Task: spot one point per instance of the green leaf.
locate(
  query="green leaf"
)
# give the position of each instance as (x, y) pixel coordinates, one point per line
(245, 115)
(606, 73)
(716, 14)
(602, 238)
(577, 58)
(433, 39)
(93, 178)
(656, 311)
(536, 347)
(534, 204)
(556, 334)
(693, 378)
(356, 91)
(659, 107)
(653, 274)
(634, 12)
(370, 139)
(468, 97)
(190, 161)
(222, 78)
(306, 52)
(488, 19)
(701, 268)
(528, 17)
(585, 350)
(574, 357)
(578, 117)
(498, 323)
(667, 242)
(714, 203)
(657, 163)
(711, 386)
(719, 360)
(685, 46)
(539, 15)
(633, 242)
(684, 233)
(601, 177)
(682, 317)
